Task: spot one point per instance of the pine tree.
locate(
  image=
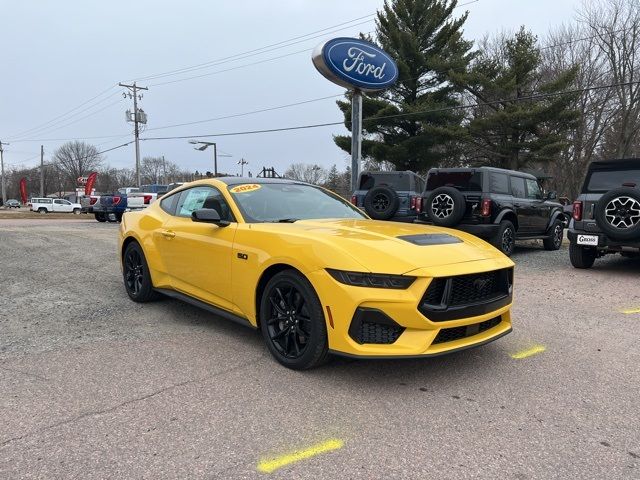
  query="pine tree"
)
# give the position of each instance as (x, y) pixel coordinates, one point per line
(426, 41)
(509, 129)
(333, 179)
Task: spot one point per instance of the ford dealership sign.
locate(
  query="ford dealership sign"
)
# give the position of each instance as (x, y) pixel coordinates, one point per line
(354, 63)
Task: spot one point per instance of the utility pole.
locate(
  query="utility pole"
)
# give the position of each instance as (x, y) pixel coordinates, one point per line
(164, 171)
(136, 120)
(242, 163)
(42, 170)
(4, 186)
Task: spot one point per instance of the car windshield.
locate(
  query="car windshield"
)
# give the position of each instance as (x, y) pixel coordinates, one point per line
(605, 180)
(288, 202)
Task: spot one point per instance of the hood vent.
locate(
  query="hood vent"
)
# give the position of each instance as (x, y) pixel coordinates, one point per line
(430, 239)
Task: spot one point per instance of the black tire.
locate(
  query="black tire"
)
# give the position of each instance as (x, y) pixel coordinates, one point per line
(554, 242)
(114, 220)
(617, 213)
(76, 211)
(445, 206)
(292, 321)
(136, 276)
(42, 211)
(505, 239)
(582, 257)
(381, 203)
(100, 217)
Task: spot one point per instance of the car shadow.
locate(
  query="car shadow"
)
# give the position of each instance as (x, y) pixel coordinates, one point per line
(395, 373)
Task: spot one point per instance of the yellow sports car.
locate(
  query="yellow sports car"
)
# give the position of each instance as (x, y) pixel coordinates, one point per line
(314, 274)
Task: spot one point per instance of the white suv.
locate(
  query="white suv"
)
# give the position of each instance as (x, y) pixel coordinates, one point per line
(55, 205)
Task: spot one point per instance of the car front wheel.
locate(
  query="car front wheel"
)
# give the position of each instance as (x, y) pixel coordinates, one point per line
(554, 242)
(292, 321)
(582, 257)
(135, 272)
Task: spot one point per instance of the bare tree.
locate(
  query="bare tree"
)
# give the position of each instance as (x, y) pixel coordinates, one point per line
(568, 46)
(305, 172)
(75, 159)
(152, 169)
(615, 24)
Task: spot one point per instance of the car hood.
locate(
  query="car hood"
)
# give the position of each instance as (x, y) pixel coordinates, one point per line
(392, 247)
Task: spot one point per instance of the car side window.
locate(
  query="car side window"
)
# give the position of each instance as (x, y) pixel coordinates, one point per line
(498, 183)
(533, 189)
(203, 197)
(168, 204)
(517, 187)
(58, 202)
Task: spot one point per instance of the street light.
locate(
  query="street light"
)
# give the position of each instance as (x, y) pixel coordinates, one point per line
(242, 163)
(202, 146)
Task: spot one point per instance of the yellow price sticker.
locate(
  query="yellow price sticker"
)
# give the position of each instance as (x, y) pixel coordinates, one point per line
(248, 187)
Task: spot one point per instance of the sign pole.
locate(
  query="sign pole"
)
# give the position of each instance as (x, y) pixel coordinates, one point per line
(356, 137)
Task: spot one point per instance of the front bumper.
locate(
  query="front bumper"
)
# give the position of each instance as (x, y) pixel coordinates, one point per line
(419, 336)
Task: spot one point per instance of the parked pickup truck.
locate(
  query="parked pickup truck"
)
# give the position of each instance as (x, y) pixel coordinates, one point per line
(110, 208)
(57, 205)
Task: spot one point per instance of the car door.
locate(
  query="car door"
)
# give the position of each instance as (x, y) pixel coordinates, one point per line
(540, 211)
(197, 256)
(522, 205)
(60, 207)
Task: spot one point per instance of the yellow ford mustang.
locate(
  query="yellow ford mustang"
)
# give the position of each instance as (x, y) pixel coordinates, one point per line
(314, 274)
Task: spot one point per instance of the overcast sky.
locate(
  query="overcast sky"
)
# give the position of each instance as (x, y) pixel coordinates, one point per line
(58, 55)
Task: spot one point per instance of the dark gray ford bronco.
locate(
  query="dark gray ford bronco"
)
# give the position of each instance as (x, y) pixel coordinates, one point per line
(606, 214)
(389, 195)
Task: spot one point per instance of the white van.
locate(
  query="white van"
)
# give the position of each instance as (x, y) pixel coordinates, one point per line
(57, 205)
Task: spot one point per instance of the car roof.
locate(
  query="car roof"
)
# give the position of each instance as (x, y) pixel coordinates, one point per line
(615, 163)
(486, 169)
(258, 180)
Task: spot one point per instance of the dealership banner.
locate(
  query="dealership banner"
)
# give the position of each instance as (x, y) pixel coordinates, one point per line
(91, 180)
(23, 190)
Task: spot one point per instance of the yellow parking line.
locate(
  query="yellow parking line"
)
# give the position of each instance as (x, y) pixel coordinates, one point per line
(630, 310)
(273, 464)
(529, 352)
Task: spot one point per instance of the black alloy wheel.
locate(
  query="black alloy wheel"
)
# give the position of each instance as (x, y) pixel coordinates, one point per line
(380, 202)
(292, 321)
(137, 279)
(554, 242)
(505, 240)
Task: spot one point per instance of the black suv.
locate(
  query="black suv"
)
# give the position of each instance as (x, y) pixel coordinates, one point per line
(606, 215)
(498, 205)
(389, 195)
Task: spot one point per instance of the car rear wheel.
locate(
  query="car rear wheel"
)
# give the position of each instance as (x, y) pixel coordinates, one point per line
(100, 217)
(292, 321)
(135, 271)
(76, 211)
(582, 257)
(505, 239)
(617, 213)
(554, 242)
(42, 211)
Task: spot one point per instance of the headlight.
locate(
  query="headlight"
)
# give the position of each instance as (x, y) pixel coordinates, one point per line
(372, 280)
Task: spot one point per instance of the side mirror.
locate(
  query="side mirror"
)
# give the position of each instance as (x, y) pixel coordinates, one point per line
(208, 215)
(552, 195)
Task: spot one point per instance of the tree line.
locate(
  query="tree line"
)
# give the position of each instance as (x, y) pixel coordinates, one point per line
(510, 100)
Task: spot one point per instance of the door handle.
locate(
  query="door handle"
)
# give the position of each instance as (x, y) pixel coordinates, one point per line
(168, 234)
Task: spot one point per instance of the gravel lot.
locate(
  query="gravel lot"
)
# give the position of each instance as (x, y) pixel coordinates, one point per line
(93, 385)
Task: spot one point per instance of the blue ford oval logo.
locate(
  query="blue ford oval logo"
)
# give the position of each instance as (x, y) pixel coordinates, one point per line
(350, 62)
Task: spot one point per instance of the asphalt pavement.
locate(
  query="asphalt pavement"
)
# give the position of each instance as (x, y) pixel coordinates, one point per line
(93, 385)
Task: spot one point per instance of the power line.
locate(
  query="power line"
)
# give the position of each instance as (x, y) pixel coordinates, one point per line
(38, 127)
(71, 138)
(423, 112)
(244, 54)
(269, 109)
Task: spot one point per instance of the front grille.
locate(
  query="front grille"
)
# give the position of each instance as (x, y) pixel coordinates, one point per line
(463, 296)
(370, 332)
(456, 333)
